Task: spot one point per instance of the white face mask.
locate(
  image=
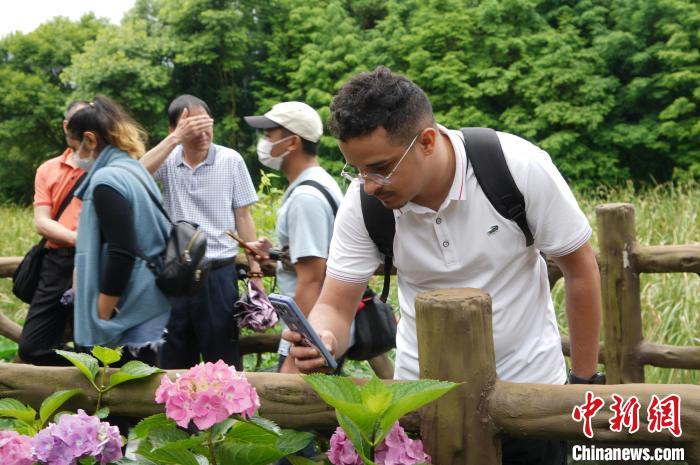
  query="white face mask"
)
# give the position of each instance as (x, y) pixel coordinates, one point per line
(83, 163)
(265, 155)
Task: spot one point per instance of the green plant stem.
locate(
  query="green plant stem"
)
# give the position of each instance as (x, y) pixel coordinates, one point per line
(101, 389)
(210, 444)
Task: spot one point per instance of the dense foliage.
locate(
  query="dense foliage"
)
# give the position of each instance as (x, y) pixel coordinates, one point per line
(610, 88)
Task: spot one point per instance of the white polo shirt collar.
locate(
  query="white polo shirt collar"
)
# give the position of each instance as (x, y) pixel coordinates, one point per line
(457, 189)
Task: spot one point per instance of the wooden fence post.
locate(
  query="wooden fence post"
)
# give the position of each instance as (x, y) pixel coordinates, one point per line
(455, 343)
(622, 309)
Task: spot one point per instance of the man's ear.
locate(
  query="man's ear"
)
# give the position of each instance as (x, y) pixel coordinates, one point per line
(427, 140)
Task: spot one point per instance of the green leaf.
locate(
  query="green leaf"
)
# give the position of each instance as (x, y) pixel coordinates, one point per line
(345, 397)
(267, 425)
(293, 441)
(87, 364)
(247, 453)
(171, 456)
(102, 413)
(130, 371)
(411, 396)
(54, 402)
(87, 461)
(221, 428)
(106, 355)
(297, 460)
(142, 428)
(162, 435)
(362, 444)
(376, 396)
(15, 409)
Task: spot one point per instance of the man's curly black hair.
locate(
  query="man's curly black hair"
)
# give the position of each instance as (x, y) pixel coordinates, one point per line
(380, 98)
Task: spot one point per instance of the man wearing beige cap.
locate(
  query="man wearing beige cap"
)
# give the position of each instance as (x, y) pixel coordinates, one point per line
(291, 132)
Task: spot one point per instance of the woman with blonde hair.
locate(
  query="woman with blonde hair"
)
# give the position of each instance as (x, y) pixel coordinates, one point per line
(117, 302)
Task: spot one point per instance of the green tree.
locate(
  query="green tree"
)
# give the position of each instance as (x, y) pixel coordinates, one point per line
(34, 98)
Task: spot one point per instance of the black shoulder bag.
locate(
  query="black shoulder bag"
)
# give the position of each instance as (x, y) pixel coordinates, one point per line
(180, 270)
(26, 276)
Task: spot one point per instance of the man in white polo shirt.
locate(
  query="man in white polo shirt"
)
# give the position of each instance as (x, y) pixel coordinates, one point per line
(448, 235)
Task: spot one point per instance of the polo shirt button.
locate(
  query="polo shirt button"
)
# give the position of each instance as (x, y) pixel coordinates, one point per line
(445, 244)
(438, 221)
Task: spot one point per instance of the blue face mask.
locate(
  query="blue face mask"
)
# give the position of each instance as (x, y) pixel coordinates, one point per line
(83, 163)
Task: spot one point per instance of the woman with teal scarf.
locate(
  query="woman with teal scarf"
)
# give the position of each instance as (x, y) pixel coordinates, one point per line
(117, 302)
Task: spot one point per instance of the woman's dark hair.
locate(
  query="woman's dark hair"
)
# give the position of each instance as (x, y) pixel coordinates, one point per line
(111, 124)
(178, 105)
(379, 98)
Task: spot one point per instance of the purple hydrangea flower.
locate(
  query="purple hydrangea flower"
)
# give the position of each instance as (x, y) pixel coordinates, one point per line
(396, 449)
(75, 437)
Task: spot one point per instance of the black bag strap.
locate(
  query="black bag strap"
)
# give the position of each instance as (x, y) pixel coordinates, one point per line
(66, 201)
(486, 155)
(381, 226)
(322, 189)
(150, 194)
(68, 198)
(154, 199)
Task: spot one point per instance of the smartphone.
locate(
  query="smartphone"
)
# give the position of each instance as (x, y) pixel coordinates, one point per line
(291, 314)
(244, 244)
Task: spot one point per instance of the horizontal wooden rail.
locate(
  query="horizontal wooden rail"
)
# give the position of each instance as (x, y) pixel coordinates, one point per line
(535, 410)
(666, 258)
(285, 399)
(666, 356)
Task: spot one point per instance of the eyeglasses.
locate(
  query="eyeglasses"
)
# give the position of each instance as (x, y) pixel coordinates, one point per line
(376, 177)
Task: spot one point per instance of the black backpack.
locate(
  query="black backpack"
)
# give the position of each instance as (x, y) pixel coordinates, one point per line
(486, 156)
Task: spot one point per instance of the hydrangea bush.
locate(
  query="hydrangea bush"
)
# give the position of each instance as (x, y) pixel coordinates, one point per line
(369, 432)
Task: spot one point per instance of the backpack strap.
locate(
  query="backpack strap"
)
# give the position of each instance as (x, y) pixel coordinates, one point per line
(154, 199)
(322, 189)
(381, 226)
(491, 170)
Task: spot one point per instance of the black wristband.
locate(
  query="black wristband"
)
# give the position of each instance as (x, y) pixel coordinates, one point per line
(597, 378)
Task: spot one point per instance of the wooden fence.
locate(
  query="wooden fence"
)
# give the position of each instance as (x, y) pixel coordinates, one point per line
(462, 428)
(621, 259)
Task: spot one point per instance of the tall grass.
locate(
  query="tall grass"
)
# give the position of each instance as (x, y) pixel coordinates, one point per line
(665, 214)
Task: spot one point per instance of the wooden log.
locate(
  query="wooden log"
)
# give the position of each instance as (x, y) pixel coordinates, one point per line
(566, 349)
(382, 366)
(666, 356)
(536, 410)
(455, 343)
(666, 258)
(9, 328)
(286, 399)
(8, 265)
(259, 343)
(622, 313)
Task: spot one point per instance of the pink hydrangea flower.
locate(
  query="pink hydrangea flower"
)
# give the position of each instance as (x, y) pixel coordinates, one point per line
(75, 437)
(342, 452)
(15, 448)
(396, 449)
(207, 394)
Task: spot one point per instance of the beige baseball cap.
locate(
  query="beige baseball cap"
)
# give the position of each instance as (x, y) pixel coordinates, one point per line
(297, 117)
